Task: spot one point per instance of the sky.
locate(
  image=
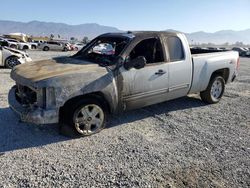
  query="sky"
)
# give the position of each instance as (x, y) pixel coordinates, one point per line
(181, 15)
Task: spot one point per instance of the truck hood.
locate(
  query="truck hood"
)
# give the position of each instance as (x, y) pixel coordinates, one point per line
(58, 71)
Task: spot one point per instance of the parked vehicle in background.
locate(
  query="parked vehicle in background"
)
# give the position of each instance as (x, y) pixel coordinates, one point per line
(104, 48)
(24, 46)
(33, 45)
(4, 43)
(11, 43)
(18, 45)
(146, 68)
(53, 45)
(242, 52)
(78, 46)
(68, 46)
(38, 41)
(10, 57)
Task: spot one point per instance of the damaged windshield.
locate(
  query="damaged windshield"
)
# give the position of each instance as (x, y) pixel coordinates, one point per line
(103, 50)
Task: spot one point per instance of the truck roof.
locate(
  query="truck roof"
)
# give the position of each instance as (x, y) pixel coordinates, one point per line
(132, 34)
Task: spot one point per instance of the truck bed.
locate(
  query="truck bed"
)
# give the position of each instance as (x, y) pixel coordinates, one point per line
(204, 64)
(203, 51)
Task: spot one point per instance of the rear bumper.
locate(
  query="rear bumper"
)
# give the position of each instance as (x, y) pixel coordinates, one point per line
(36, 115)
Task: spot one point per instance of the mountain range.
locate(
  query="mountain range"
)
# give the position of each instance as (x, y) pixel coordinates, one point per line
(91, 30)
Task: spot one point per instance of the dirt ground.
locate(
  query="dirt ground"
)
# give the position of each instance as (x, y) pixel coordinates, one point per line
(180, 143)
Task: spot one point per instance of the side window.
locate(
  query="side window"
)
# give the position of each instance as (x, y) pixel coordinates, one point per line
(151, 49)
(175, 49)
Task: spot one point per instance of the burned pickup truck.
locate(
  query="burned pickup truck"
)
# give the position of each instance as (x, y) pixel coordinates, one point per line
(116, 72)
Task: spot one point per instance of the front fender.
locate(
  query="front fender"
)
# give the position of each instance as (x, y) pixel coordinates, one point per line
(105, 85)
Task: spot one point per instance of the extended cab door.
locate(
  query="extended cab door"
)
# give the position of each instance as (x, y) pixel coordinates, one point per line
(148, 85)
(180, 65)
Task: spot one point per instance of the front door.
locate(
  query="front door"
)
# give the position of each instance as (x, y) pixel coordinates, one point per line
(148, 85)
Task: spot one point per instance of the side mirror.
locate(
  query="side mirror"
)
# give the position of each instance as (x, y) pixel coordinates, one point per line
(137, 63)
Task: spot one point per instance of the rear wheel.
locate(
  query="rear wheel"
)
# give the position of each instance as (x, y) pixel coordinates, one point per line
(11, 62)
(86, 117)
(214, 91)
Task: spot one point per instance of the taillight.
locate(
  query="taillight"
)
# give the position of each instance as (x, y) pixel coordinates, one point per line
(238, 64)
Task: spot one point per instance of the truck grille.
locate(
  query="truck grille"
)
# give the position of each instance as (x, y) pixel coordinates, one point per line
(25, 95)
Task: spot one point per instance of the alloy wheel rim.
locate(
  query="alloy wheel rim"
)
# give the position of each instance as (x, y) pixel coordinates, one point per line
(88, 119)
(216, 89)
(12, 62)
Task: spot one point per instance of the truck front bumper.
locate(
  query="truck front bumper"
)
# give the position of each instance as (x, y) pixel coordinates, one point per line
(35, 115)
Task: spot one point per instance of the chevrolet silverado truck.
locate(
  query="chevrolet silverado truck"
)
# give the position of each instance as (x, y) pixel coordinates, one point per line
(145, 68)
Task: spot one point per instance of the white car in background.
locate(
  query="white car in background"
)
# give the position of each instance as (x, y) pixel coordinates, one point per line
(104, 48)
(11, 43)
(10, 57)
(78, 46)
(54, 45)
(20, 45)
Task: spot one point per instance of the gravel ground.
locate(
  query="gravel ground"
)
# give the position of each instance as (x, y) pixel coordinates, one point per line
(180, 143)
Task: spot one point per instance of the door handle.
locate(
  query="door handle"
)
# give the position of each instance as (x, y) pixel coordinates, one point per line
(160, 72)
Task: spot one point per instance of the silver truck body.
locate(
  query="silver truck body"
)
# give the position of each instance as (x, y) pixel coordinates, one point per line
(50, 84)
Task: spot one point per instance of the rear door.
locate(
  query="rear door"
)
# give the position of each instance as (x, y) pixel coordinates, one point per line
(180, 65)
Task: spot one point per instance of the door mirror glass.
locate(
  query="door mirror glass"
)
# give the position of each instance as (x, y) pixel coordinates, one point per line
(138, 63)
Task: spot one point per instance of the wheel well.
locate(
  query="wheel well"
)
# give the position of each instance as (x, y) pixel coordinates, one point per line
(96, 95)
(221, 72)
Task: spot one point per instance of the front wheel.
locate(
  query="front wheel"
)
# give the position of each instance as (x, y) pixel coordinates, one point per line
(11, 62)
(214, 91)
(87, 117)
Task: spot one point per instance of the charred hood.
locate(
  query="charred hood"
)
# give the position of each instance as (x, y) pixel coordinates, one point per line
(58, 71)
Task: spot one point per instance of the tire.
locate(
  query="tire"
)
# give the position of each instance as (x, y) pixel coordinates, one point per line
(214, 91)
(81, 119)
(11, 62)
(46, 48)
(25, 47)
(33, 47)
